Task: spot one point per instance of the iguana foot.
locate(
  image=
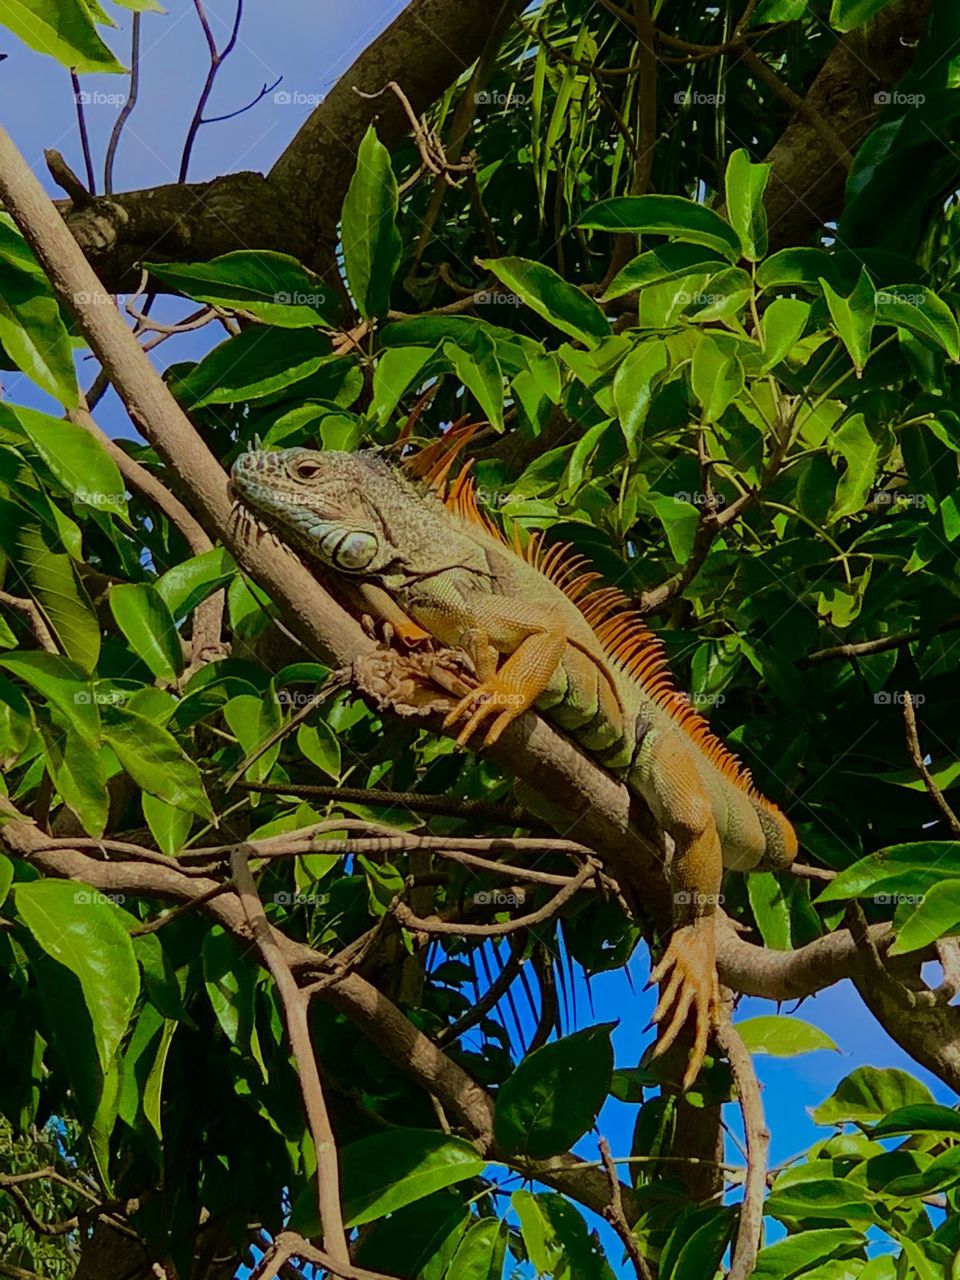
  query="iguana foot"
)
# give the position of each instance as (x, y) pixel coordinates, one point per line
(688, 981)
(494, 697)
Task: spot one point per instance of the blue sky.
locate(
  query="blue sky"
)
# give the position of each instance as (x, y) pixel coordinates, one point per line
(309, 45)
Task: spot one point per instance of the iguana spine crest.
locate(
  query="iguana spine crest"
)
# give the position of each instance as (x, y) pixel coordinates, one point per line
(618, 626)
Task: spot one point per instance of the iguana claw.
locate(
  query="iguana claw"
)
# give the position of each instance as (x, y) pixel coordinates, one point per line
(492, 698)
(688, 980)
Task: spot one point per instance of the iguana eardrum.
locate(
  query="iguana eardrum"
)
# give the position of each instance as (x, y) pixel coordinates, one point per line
(540, 634)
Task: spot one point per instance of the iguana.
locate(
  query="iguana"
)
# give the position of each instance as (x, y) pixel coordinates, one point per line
(539, 633)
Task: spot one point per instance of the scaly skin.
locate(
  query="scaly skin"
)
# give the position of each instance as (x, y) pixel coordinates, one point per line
(448, 576)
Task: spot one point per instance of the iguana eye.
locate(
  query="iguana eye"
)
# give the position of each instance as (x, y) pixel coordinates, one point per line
(307, 470)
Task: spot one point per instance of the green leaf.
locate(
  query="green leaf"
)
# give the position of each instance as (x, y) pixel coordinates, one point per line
(854, 317)
(913, 307)
(253, 364)
(78, 774)
(168, 825)
(74, 455)
(189, 583)
(272, 286)
(633, 388)
(6, 877)
(155, 761)
(564, 305)
(940, 1175)
(781, 327)
(862, 455)
(53, 582)
(397, 368)
(554, 1095)
(371, 242)
(80, 929)
(906, 868)
(672, 216)
(768, 11)
(679, 518)
(63, 29)
(823, 1199)
(745, 186)
(869, 1094)
(716, 376)
(800, 1252)
(389, 1170)
(936, 915)
(668, 262)
(482, 1252)
(479, 371)
(64, 683)
(847, 14)
(783, 1037)
(145, 620)
(799, 266)
(557, 1238)
(770, 909)
(231, 985)
(418, 1240)
(33, 333)
(699, 1247)
(321, 746)
(918, 1118)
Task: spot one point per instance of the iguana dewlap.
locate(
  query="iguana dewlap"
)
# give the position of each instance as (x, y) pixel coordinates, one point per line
(542, 635)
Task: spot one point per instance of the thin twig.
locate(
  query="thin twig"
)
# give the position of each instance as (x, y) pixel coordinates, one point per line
(417, 801)
(84, 136)
(758, 1143)
(916, 756)
(289, 1245)
(38, 624)
(217, 57)
(617, 1218)
(127, 107)
(490, 997)
(296, 1006)
(402, 913)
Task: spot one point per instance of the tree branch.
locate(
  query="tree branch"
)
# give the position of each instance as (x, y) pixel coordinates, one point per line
(296, 1005)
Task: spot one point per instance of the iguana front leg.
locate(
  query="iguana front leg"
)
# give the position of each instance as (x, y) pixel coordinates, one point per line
(535, 649)
(687, 973)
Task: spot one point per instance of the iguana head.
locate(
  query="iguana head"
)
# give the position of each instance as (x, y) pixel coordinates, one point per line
(346, 509)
